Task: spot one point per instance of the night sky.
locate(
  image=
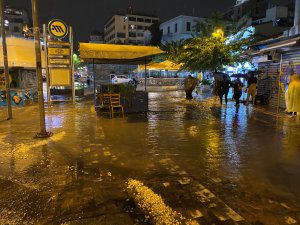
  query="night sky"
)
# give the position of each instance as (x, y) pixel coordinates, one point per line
(86, 15)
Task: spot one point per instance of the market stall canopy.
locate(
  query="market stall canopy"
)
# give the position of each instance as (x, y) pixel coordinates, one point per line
(165, 65)
(20, 53)
(116, 54)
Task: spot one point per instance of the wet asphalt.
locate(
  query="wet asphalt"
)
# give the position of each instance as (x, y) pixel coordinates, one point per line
(213, 164)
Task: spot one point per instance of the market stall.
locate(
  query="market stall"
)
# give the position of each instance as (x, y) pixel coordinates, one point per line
(118, 55)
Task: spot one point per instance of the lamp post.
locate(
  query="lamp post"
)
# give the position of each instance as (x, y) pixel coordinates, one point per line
(5, 62)
(43, 133)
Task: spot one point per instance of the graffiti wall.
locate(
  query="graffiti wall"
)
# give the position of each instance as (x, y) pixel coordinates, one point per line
(18, 97)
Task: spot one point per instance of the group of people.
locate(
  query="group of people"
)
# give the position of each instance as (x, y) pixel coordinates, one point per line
(221, 88)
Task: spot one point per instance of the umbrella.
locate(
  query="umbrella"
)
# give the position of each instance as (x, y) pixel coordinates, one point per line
(239, 75)
(255, 72)
(218, 76)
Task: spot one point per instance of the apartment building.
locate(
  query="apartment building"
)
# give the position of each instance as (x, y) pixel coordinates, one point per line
(15, 20)
(128, 28)
(180, 27)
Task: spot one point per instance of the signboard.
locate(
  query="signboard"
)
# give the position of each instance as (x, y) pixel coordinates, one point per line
(60, 77)
(2, 81)
(58, 43)
(59, 61)
(59, 51)
(57, 28)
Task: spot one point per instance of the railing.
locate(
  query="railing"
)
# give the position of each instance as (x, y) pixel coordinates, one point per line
(179, 82)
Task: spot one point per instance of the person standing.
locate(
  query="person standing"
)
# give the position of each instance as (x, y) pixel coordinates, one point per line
(189, 85)
(224, 88)
(292, 95)
(237, 86)
(252, 81)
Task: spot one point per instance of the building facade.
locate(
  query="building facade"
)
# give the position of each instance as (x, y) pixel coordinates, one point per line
(96, 37)
(268, 17)
(128, 28)
(15, 21)
(180, 27)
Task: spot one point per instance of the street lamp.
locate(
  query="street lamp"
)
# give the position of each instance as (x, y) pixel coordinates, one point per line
(220, 32)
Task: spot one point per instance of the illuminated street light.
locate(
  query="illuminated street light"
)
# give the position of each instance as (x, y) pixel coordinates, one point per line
(6, 23)
(220, 32)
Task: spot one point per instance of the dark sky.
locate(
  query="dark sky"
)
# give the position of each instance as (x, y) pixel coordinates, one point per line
(86, 15)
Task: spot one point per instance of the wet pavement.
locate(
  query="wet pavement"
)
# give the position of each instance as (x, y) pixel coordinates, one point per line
(185, 162)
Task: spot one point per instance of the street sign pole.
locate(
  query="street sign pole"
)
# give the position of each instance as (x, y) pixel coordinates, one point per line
(72, 64)
(43, 133)
(5, 62)
(46, 64)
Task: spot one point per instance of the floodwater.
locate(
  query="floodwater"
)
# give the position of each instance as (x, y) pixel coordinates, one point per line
(202, 159)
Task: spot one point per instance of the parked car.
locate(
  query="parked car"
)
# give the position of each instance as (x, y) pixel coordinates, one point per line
(118, 79)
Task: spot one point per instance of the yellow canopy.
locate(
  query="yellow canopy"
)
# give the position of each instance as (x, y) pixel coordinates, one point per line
(20, 53)
(111, 53)
(165, 65)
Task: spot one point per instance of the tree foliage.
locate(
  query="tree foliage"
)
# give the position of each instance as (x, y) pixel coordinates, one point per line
(156, 34)
(210, 50)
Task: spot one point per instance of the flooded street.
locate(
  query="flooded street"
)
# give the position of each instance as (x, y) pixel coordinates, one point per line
(210, 164)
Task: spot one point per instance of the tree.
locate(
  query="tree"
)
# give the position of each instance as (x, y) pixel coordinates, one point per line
(156, 34)
(211, 50)
(76, 61)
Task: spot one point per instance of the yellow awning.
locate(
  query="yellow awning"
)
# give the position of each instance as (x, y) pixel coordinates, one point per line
(20, 53)
(111, 53)
(165, 65)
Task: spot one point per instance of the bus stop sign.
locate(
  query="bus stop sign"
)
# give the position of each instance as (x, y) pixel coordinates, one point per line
(57, 28)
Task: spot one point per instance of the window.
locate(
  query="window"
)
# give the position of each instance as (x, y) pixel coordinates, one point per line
(175, 27)
(132, 18)
(140, 27)
(132, 41)
(257, 10)
(140, 19)
(121, 35)
(168, 30)
(154, 21)
(16, 29)
(132, 34)
(147, 20)
(140, 34)
(188, 26)
(132, 27)
(17, 20)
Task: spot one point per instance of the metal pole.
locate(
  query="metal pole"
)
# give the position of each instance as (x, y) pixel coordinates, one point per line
(5, 62)
(279, 84)
(36, 28)
(46, 64)
(95, 97)
(72, 65)
(145, 74)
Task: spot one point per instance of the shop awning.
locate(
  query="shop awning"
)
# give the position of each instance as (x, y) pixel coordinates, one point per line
(20, 53)
(165, 65)
(116, 54)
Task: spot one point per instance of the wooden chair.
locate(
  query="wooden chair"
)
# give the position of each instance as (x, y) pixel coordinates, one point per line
(105, 104)
(115, 104)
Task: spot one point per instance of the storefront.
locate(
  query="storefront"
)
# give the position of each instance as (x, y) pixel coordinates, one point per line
(23, 79)
(276, 63)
